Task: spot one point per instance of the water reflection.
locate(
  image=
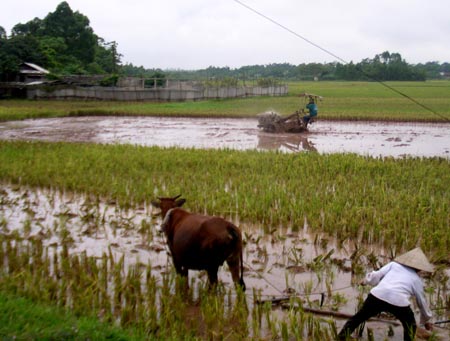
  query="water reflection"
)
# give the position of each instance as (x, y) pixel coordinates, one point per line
(292, 142)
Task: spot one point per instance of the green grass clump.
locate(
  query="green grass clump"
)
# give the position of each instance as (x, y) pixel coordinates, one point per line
(24, 319)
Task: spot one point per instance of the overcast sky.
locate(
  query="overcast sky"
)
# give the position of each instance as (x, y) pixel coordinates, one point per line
(195, 34)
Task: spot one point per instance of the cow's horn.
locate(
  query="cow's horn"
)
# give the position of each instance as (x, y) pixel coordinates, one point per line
(175, 198)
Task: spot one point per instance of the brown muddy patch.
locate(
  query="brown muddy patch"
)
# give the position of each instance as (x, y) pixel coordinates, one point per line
(365, 138)
(279, 262)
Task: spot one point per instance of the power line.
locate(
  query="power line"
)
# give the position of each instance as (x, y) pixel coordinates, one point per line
(423, 106)
(290, 31)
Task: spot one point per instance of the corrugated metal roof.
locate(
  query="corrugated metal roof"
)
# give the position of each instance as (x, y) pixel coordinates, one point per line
(37, 69)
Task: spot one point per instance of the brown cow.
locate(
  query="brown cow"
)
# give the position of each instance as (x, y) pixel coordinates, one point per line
(201, 242)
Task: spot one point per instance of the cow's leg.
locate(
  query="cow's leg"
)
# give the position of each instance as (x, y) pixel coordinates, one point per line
(233, 265)
(212, 276)
(183, 276)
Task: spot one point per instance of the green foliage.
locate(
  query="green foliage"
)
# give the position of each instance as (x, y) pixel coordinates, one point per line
(74, 29)
(157, 77)
(434, 70)
(131, 70)
(62, 42)
(2, 33)
(53, 48)
(266, 82)
(383, 67)
(109, 81)
(221, 83)
(24, 319)
(15, 50)
(107, 59)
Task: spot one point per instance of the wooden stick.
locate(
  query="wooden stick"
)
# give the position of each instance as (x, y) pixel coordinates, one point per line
(274, 300)
(323, 312)
(442, 322)
(345, 316)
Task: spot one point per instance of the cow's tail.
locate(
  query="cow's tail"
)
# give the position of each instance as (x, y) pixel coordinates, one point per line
(237, 237)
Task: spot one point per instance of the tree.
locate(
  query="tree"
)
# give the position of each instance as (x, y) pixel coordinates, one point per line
(16, 50)
(3, 35)
(74, 29)
(158, 76)
(62, 42)
(33, 27)
(383, 67)
(54, 48)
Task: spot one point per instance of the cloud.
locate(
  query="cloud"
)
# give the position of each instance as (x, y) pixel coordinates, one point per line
(199, 33)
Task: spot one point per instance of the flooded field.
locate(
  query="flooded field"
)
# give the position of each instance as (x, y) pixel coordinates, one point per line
(365, 138)
(279, 262)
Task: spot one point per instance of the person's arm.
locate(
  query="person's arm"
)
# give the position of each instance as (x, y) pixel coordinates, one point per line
(374, 277)
(425, 312)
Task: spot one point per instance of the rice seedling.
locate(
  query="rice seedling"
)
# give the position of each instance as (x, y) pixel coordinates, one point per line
(337, 301)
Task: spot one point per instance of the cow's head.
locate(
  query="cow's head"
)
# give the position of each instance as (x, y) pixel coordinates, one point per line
(165, 204)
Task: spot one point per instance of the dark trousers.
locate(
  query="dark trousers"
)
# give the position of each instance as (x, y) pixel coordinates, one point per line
(373, 306)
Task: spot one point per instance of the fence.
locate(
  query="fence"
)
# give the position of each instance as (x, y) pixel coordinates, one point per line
(153, 94)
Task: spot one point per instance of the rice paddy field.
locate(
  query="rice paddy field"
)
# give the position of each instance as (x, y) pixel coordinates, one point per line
(79, 241)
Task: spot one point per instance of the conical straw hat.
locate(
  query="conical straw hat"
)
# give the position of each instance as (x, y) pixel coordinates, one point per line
(415, 259)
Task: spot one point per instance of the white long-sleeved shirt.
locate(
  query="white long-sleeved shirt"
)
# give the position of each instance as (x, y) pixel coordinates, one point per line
(396, 284)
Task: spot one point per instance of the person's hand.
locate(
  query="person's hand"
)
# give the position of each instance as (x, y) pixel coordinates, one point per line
(429, 326)
(363, 282)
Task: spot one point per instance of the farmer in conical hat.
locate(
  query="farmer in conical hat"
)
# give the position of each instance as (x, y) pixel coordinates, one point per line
(395, 283)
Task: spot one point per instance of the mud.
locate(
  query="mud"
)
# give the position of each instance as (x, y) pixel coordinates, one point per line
(277, 263)
(365, 138)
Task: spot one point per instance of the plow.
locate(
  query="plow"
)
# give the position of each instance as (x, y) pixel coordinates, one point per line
(273, 122)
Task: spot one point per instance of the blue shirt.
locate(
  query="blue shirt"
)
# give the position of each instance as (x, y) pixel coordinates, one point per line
(312, 107)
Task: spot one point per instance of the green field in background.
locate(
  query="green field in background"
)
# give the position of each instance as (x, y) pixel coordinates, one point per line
(342, 101)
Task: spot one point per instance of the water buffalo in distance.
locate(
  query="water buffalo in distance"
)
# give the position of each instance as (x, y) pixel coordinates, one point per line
(201, 242)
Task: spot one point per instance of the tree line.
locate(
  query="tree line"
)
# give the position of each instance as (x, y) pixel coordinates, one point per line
(64, 43)
(383, 67)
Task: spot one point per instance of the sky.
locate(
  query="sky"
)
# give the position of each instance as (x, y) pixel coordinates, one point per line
(196, 34)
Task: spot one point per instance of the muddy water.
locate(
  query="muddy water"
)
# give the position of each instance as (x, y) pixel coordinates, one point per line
(365, 138)
(313, 266)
